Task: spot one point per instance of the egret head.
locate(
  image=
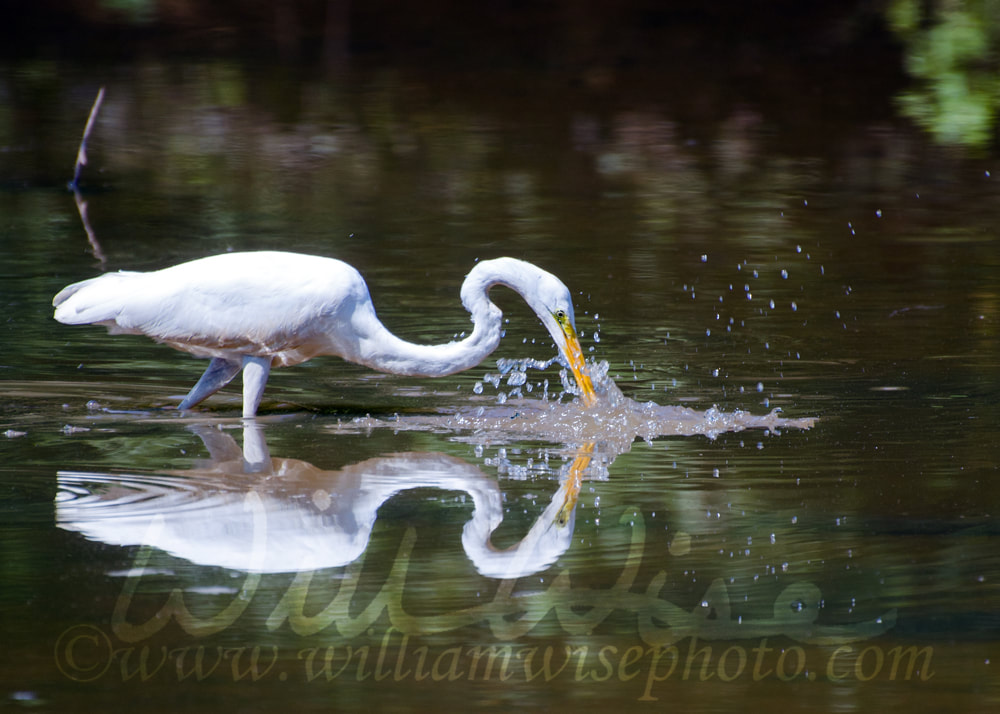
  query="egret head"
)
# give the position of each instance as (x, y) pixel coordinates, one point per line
(569, 345)
(551, 300)
(560, 323)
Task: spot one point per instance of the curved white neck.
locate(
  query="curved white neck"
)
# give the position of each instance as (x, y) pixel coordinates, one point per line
(374, 346)
(383, 351)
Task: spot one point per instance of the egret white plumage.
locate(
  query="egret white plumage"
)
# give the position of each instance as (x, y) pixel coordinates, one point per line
(252, 311)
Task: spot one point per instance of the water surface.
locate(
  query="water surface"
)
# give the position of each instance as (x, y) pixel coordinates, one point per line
(386, 542)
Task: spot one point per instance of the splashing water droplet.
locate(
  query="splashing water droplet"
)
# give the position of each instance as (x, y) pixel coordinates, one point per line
(516, 379)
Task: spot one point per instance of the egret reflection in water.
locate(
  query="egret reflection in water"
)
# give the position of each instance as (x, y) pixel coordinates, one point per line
(247, 511)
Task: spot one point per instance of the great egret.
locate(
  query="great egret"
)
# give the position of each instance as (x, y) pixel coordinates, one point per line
(252, 311)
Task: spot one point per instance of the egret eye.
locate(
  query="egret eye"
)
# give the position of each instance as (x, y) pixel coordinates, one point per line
(561, 315)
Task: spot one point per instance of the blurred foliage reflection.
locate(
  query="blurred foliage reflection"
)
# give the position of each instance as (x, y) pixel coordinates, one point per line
(951, 51)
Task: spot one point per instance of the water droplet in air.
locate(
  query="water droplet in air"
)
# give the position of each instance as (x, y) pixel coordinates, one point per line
(516, 379)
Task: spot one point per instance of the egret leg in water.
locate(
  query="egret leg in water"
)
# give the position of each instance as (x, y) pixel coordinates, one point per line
(220, 372)
(255, 373)
(271, 309)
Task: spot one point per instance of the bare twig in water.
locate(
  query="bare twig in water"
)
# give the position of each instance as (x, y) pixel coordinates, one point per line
(81, 161)
(81, 154)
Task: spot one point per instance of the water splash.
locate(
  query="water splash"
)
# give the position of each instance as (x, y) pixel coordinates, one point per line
(615, 421)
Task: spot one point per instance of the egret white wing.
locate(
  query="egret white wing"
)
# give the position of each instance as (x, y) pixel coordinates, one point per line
(261, 304)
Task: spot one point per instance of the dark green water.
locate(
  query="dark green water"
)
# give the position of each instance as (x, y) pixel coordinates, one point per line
(835, 264)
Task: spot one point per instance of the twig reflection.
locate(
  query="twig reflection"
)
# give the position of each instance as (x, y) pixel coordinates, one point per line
(95, 246)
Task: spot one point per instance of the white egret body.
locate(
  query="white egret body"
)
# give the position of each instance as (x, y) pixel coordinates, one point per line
(252, 311)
